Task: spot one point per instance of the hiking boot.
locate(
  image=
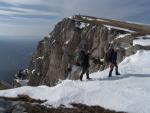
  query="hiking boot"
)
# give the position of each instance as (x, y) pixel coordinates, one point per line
(117, 73)
(81, 76)
(109, 75)
(89, 78)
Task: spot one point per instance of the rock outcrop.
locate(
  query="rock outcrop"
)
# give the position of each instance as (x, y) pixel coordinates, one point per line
(58, 50)
(4, 85)
(22, 106)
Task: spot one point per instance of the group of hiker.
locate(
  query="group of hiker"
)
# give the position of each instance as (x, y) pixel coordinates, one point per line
(84, 58)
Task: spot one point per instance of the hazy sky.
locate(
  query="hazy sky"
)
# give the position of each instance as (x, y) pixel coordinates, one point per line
(37, 17)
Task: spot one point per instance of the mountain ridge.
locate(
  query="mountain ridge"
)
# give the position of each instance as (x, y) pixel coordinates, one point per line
(129, 25)
(57, 50)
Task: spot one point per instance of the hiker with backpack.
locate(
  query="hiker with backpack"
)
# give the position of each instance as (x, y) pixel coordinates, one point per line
(111, 59)
(84, 63)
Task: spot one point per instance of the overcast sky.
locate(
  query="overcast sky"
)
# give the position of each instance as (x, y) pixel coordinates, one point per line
(38, 17)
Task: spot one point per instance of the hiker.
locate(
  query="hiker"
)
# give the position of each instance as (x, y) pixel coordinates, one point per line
(111, 59)
(84, 63)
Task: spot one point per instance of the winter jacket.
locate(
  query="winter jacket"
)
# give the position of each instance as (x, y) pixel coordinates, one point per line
(85, 62)
(111, 56)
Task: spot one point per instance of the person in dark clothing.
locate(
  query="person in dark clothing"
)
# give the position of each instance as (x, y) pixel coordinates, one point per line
(85, 64)
(111, 59)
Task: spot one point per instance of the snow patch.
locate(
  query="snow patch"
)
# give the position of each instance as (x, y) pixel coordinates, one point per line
(87, 24)
(33, 71)
(53, 41)
(71, 17)
(102, 20)
(126, 48)
(144, 37)
(148, 36)
(90, 19)
(67, 42)
(80, 25)
(49, 36)
(122, 36)
(119, 28)
(142, 40)
(40, 58)
(63, 29)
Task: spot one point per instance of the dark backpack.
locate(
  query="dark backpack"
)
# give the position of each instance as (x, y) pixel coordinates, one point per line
(85, 62)
(109, 55)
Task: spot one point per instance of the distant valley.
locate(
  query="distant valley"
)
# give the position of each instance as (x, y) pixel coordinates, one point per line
(14, 55)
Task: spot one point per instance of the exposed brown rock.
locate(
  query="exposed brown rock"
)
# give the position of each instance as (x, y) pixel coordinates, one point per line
(77, 108)
(23, 98)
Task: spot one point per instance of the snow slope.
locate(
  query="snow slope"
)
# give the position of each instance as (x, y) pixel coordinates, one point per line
(129, 92)
(143, 40)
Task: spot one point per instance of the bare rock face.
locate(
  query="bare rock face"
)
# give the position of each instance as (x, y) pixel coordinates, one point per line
(58, 50)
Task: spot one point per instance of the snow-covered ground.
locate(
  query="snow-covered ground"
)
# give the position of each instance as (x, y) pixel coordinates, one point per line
(128, 92)
(143, 40)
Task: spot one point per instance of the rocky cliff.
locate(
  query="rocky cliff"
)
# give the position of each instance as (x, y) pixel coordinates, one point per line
(58, 50)
(27, 105)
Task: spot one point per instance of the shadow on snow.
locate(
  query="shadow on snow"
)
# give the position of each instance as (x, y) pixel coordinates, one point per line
(119, 77)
